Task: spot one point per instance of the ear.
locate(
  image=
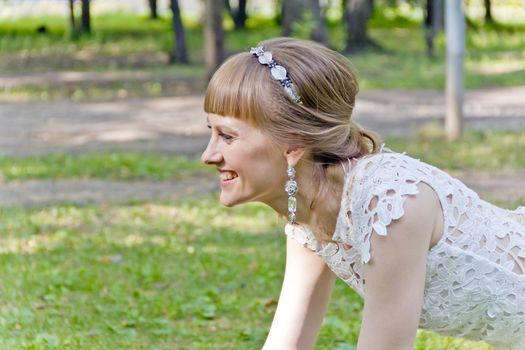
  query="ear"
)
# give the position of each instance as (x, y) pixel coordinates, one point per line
(293, 155)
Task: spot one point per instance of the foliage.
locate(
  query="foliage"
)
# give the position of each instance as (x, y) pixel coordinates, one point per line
(302, 29)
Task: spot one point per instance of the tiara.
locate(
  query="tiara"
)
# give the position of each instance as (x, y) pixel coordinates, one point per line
(277, 71)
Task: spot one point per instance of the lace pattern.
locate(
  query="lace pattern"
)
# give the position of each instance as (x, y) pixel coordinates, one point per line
(475, 283)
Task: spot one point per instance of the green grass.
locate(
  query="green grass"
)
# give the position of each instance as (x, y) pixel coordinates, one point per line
(188, 275)
(494, 54)
(478, 150)
(492, 58)
(93, 91)
(111, 166)
(127, 29)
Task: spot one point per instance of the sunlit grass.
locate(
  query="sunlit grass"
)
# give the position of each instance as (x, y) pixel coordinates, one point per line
(478, 150)
(173, 80)
(113, 166)
(186, 275)
(494, 56)
(139, 277)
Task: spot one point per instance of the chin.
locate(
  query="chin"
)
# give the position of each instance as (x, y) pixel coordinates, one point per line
(228, 202)
(233, 201)
(229, 205)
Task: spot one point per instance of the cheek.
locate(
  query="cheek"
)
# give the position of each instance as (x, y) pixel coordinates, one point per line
(269, 163)
(270, 171)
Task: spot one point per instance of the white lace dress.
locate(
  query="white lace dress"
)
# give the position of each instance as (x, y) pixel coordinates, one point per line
(475, 282)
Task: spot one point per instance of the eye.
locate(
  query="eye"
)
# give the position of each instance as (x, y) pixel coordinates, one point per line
(226, 137)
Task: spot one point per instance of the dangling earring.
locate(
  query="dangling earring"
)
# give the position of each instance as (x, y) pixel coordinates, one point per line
(291, 188)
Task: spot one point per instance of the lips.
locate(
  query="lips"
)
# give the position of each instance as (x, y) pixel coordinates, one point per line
(228, 175)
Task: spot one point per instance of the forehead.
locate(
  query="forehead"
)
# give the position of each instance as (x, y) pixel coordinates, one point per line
(245, 130)
(220, 121)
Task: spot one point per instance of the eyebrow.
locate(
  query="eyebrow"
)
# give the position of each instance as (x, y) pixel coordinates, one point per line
(222, 127)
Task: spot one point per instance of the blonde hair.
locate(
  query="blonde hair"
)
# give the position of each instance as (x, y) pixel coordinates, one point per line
(322, 123)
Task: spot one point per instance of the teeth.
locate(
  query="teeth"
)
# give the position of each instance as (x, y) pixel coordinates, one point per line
(228, 176)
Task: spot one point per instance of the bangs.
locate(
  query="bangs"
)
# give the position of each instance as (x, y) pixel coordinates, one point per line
(237, 90)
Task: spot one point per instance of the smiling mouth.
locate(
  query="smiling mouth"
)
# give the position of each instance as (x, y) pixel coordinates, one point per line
(228, 176)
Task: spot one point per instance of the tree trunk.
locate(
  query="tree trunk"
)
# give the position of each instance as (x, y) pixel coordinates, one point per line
(320, 31)
(433, 23)
(356, 16)
(72, 17)
(213, 36)
(229, 8)
(488, 12)
(179, 53)
(153, 9)
(296, 11)
(86, 17)
(429, 28)
(238, 14)
(438, 15)
(455, 37)
(279, 12)
(291, 11)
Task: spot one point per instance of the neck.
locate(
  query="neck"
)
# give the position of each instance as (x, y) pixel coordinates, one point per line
(323, 214)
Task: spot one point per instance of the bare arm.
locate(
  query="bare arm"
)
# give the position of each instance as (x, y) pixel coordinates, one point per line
(306, 289)
(395, 277)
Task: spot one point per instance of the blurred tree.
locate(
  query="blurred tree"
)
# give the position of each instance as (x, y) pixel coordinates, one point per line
(433, 23)
(213, 35)
(455, 81)
(153, 14)
(356, 15)
(278, 7)
(86, 17)
(397, 3)
(72, 18)
(238, 14)
(488, 12)
(179, 52)
(305, 14)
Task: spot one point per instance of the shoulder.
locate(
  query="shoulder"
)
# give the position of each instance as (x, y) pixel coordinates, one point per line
(407, 237)
(383, 177)
(385, 166)
(390, 188)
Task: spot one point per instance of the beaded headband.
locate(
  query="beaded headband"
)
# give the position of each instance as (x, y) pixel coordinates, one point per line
(277, 71)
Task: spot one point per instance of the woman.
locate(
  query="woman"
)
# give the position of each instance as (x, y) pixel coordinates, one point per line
(420, 247)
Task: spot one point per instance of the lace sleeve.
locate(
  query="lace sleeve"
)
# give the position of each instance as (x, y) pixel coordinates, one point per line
(377, 200)
(303, 236)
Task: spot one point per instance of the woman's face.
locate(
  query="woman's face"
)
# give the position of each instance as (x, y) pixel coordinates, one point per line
(251, 166)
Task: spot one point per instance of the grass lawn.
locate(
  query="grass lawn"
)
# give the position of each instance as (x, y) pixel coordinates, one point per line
(111, 166)
(494, 55)
(487, 150)
(183, 275)
(186, 275)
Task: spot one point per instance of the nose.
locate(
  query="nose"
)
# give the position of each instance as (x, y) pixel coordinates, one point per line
(211, 155)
